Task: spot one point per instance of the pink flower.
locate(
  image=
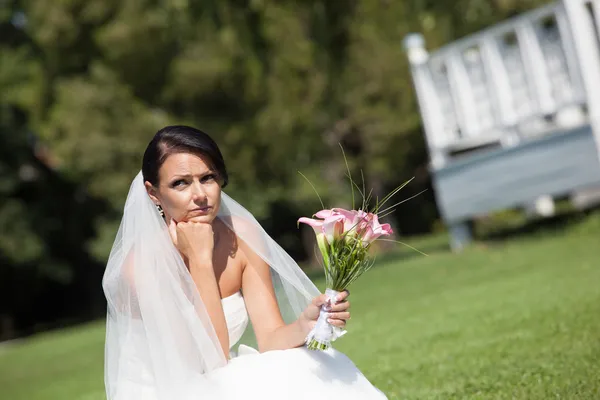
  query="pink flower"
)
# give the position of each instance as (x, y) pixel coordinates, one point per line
(324, 214)
(316, 224)
(374, 229)
(354, 220)
(333, 227)
(330, 228)
(355, 223)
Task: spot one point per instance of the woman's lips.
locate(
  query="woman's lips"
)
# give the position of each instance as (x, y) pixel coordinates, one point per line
(200, 210)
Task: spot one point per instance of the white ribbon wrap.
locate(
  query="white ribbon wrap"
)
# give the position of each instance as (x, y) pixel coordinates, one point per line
(324, 332)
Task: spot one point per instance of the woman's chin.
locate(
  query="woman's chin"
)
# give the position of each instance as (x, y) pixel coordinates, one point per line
(205, 219)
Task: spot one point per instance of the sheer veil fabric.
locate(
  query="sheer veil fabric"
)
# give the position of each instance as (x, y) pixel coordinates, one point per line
(155, 310)
(160, 342)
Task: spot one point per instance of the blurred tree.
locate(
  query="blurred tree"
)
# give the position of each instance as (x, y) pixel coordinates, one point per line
(278, 84)
(46, 274)
(45, 223)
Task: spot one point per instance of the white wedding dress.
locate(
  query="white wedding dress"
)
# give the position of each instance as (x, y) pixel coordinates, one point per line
(282, 374)
(160, 342)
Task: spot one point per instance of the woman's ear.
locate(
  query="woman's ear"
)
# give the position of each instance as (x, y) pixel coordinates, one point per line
(152, 192)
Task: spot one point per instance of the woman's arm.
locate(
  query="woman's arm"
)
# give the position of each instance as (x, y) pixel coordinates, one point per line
(271, 331)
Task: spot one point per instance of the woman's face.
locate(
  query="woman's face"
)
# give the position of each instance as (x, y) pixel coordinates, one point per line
(188, 188)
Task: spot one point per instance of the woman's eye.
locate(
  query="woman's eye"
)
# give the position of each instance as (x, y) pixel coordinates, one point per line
(178, 182)
(208, 178)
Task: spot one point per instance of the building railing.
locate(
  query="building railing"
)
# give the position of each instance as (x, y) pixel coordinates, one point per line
(528, 76)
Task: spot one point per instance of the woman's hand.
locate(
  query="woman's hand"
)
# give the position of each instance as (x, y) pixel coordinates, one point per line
(337, 311)
(195, 240)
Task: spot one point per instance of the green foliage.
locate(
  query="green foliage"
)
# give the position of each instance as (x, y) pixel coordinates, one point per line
(278, 84)
(97, 130)
(346, 261)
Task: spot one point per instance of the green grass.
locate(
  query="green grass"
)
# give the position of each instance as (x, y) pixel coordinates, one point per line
(513, 318)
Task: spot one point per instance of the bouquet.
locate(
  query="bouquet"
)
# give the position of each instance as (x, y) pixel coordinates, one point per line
(344, 238)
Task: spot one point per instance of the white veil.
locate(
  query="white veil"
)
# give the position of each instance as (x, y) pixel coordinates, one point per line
(159, 336)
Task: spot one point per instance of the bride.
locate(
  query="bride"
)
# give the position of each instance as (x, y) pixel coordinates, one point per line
(202, 303)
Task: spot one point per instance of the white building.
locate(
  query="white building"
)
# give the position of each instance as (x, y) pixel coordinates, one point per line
(512, 113)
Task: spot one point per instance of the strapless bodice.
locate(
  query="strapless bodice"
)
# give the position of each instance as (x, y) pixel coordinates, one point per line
(236, 316)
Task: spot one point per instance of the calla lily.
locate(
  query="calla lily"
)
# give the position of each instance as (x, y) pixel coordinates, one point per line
(324, 214)
(333, 227)
(374, 230)
(337, 222)
(353, 220)
(317, 225)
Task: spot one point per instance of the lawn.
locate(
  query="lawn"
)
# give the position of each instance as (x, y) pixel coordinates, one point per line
(517, 317)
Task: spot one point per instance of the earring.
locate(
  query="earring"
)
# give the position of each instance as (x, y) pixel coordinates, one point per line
(160, 210)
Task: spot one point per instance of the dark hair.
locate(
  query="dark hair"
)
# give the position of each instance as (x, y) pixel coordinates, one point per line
(181, 139)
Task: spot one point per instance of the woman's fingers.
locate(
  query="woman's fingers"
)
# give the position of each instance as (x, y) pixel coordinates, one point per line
(320, 300)
(342, 296)
(337, 322)
(340, 303)
(339, 315)
(343, 306)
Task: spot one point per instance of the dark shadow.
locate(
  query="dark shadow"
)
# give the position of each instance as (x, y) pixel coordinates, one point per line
(541, 226)
(57, 284)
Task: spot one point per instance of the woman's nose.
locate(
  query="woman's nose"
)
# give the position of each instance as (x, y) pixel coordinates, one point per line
(198, 192)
